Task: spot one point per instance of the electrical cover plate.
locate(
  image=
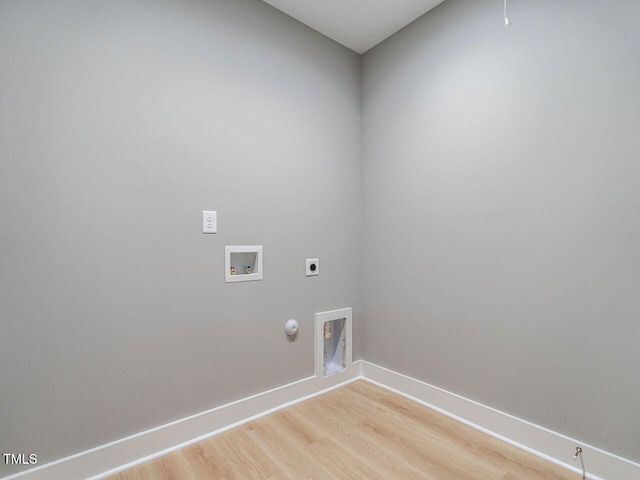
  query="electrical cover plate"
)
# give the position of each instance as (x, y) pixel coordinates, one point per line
(313, 267)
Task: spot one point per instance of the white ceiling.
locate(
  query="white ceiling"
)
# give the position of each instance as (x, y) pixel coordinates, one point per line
(357, 24)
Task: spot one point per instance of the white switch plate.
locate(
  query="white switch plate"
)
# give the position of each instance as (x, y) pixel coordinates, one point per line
(209, 222)
(313, 267)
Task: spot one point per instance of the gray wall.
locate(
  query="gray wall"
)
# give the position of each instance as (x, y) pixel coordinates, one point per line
(502, 210)
(120, 122)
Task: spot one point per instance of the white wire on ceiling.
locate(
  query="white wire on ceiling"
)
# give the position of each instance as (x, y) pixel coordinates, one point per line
(507, 22)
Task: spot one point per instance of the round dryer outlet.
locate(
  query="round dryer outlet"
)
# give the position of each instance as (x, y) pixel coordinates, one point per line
(313, 267)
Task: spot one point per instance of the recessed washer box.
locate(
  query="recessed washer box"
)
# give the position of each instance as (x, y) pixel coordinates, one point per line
(243, 263)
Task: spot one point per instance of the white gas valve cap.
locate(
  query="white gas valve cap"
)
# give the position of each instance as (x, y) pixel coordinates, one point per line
(291, 327)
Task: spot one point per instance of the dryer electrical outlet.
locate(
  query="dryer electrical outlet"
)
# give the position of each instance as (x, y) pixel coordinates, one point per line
(313, 267)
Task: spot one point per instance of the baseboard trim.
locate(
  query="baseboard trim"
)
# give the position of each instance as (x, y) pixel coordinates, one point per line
(106, 460)
(537, 440)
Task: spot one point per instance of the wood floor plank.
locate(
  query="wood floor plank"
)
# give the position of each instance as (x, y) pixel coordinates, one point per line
(283, 449)
(354, 441)
(348, 466)
(170, 467)
(249, 453)
(360, 431)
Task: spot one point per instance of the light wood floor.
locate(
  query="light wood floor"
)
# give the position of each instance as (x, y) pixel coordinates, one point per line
(359, 431)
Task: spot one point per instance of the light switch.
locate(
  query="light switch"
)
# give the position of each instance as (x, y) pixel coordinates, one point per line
(209, 221)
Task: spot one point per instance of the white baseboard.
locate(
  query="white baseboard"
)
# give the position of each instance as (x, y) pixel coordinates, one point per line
(106, 460)
(540, 441)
